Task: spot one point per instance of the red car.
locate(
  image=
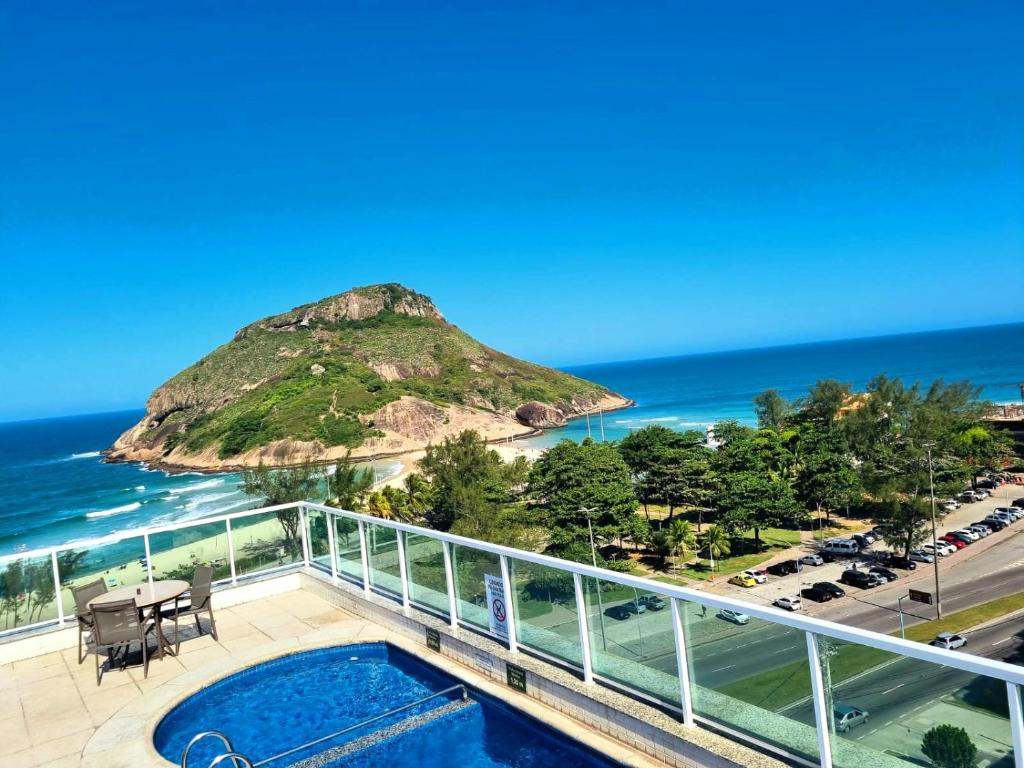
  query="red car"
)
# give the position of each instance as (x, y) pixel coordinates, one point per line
(952, 540)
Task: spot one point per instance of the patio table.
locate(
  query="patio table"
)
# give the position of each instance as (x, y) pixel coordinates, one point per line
(148, 597)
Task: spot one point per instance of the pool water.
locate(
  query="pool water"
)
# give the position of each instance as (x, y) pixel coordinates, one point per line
(278, 705)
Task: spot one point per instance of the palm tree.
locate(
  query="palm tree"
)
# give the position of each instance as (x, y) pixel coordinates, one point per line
(681, 537)
(717, 542)
(417, 490)
(379, 506)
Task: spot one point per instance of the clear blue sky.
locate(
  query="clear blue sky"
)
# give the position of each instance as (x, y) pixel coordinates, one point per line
(570, 183)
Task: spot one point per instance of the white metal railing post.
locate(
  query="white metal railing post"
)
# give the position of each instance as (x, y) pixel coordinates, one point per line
(510, 614)
(818, 694)
(1016, 724)
(364, 555)
(332, 546)
(231, 551)
(581, 622)
(149, 559)
(403, 570)
(304, 533)
(682, 664)
(449, 577)
(56, 586)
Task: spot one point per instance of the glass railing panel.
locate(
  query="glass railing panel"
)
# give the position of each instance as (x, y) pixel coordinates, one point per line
(118, 563)
(266, 541)
(382, 548)
(176, 554)
(751, 676)
(28, 593)
(545, 610)
(471, 567)
(319, 543)
(428, 586)
(631, 639)
(892, 710)
(349, 558)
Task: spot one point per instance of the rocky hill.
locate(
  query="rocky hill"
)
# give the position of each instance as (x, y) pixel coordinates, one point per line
(375, 370)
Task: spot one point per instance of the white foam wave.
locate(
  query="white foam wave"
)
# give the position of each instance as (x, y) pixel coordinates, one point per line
(198, 486)
(114, 510)
(85, 455)
(197, 514)
(207, 498)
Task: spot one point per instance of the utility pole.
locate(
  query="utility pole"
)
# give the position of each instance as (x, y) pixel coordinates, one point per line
(935, 547)
(593, 559)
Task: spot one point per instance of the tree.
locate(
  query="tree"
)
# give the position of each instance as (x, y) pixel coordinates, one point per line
(281, 486)
(417, 493)
(681, 476)
(824, 401)
(459, 465)
(660, 544)
(949, 746)
(716, 541)
(643, 450)
(378, 505)
(772, 410)
(571, 478)
(681, 537)
(348, 486)
(826, 478)
(903, 521)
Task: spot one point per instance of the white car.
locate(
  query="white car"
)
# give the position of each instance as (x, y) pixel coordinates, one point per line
(943, 549)
(812, 560)
(950, 505)
(759, 576)
(790, 603)
(920, 556)
(972, 535)
(736, 617)
(981, 530)
(949, 641)
(1015, 512)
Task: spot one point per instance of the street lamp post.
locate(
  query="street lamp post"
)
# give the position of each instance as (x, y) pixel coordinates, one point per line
(935, 546)
(593, 560)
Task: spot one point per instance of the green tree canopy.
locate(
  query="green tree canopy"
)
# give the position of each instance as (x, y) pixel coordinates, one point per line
(462, 468)
(949, 746)
(772, 410)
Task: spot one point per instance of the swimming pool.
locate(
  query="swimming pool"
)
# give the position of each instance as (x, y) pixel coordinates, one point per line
(281, 704)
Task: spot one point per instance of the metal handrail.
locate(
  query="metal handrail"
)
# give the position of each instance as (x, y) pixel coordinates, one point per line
(236, 758)
(328, 737)
(199, 737)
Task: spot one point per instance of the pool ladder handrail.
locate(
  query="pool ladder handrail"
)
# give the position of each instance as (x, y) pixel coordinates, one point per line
(204, 734)
(368, 721)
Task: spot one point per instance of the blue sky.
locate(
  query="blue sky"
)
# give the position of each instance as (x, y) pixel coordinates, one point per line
(570, 182)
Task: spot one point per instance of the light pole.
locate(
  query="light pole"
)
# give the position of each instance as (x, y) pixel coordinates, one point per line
(935, 546)
(593, 559)
(899, 602)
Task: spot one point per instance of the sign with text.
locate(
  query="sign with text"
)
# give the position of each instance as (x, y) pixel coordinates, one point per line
(497, 611)
(920, 596)
(433, 639)
(516, 677)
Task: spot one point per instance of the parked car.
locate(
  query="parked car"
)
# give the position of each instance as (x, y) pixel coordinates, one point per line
(790, 603)
(848, 717)
(785, 568)
(862, 541)
(1015, 512)
(883, 573)
(972, 536)
(862, 579)
(842, 547)
(654, 602)
(833, 589)
(1019, 502)
(980, 529)
(618, 612)
(968, 497)
(812, 560)
(941, 548)
(920, 556)
(995, 523)
(949, 641)
(736, 617)
(951, 504)
(757, 574)
(743, 580)
(954, 541)
(988, 482)
(816, 594)
(893, 560)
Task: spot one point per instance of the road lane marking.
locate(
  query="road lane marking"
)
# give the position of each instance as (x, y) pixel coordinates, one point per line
(893, 689)
(1004, 640)
(722, 669)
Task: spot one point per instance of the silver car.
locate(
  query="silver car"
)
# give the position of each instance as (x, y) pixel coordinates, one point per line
(848, 717)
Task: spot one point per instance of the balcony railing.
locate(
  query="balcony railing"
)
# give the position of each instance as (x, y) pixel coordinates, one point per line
(814, 691)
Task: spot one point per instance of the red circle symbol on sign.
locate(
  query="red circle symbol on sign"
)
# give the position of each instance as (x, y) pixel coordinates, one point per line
(499, 609)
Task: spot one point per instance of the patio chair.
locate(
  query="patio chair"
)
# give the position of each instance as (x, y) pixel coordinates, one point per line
(83, 613)
(198, 600)
(115, 627)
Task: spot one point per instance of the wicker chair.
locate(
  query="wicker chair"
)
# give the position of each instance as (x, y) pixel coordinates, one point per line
(115, 627)
(83, 613)
(198, 600)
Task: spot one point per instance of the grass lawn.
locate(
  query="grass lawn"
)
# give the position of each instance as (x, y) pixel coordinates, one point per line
(743, 557)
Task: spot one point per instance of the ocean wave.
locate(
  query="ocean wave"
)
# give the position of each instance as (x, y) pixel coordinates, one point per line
(198, 514)
(85, 455)
(207, 498)
(114, 510)
(199, 486)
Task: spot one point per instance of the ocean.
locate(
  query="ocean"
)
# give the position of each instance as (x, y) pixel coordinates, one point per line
(55, 488)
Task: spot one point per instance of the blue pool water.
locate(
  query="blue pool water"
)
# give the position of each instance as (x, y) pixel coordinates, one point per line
(280, 704)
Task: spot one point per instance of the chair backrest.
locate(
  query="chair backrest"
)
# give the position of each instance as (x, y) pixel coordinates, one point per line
(116, 622)
(85, 593)
(201, 586)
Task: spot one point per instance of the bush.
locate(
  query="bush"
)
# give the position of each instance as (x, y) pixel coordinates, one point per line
(948, 746)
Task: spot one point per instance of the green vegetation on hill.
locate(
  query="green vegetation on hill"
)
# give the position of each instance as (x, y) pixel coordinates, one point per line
(316, 372)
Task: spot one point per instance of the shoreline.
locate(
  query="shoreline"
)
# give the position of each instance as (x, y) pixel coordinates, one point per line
(178, 469)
